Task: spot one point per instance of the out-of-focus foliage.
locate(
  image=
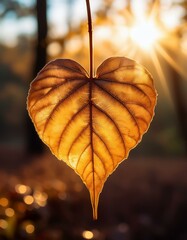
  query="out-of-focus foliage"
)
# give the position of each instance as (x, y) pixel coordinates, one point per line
(19, 9)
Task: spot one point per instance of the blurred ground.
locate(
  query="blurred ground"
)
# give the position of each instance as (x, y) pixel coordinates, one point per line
(144, 199)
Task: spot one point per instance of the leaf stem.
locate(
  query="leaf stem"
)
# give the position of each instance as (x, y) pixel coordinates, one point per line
(90, 31)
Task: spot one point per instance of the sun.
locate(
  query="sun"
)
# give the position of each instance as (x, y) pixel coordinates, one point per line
(145, 34)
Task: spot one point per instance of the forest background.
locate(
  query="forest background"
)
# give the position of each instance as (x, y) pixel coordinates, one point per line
(146, 196)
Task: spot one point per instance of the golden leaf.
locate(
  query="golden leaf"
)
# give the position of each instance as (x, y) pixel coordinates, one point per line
(92, 124)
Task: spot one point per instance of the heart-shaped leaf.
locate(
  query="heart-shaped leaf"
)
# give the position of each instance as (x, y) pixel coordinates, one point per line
(92, 124)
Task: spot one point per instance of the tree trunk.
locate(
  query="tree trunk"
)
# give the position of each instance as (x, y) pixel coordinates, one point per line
(180, 105)
(34, 144)
(179, 99)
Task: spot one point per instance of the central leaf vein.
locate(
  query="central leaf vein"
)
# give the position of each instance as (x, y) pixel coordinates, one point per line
(91, 139)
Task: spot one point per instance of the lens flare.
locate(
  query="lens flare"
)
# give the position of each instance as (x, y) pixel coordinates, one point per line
(145, 34)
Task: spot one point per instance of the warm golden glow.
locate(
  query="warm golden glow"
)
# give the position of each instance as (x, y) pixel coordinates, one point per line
(22, 189)
(171, 18)
(9, 212)
(28, 200)
(40, 198)
(172, 62)
(29, 228)
(87, 234)
(184, 43)
(145, 33)
(3, 224)
(54, 49)
(4, 202)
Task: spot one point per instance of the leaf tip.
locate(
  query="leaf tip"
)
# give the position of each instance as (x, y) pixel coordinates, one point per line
(94, 201)
(94, 212)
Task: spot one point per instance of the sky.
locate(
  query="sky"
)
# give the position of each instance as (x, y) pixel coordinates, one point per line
(11, 27)
(58, 11)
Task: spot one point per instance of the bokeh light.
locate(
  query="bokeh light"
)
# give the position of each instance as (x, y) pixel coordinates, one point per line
(29, 228)
(54, 49)
(22, 189)
(40, 198)
(9, 212)
(28, 200)
(4, 202)
(3, 224)
(87, 234)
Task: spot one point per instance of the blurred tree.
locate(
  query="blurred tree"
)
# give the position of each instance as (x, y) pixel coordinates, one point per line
(180, 103)
(19, 9)
(34, 144)
(70, 4)
(176, 80)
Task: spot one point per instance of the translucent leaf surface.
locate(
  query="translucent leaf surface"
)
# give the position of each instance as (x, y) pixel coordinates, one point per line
(92, 124)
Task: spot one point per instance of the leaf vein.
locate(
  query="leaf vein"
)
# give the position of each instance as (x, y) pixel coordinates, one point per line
(78, 160)
(105, 146)
(124, 67)
(77, 137)
(50, 91)
(89, 162)
(141, 105)
(68, 123)
(61, 68)
(129, 84)
(93, 174)
(104, 166)
(115, 124)
(118, 100)
(74, 90)
(58, 77)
